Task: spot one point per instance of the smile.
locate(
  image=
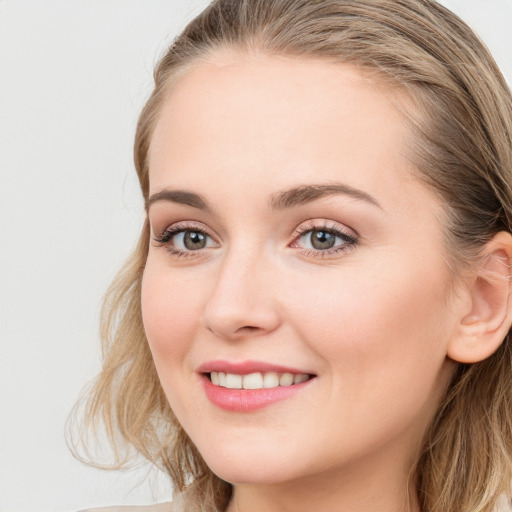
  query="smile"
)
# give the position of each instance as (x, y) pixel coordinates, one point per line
(257, 380)
(246, 386)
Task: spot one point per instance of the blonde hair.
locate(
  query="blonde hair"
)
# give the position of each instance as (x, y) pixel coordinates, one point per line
(462, 149)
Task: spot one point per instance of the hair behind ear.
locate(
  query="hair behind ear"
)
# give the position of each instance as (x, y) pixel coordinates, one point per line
(469, 444)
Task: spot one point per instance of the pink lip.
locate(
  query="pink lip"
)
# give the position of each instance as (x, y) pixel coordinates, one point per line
(245, 367)
(247, 400)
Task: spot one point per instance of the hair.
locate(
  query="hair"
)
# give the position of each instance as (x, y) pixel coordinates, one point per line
(461, 148)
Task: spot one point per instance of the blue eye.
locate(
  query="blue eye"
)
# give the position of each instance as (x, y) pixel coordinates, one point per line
(316, 241)
(323, 240)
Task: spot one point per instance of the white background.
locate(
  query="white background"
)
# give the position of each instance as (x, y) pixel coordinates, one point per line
(73, 77)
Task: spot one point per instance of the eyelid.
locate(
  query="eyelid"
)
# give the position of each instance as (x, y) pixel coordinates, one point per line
(163, 239)
(350, 237)
(324, 224)
(184, 226)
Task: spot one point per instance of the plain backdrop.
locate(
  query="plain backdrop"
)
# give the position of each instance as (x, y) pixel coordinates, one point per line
(73, 77)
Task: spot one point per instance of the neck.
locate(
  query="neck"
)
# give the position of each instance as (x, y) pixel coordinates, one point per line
(351, 490)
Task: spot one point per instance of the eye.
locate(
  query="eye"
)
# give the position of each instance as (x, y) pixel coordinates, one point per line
(190, 240)
(319, 239)
(181, 240)
(323, 240)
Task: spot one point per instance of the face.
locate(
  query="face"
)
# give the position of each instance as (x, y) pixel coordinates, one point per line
(292, 243)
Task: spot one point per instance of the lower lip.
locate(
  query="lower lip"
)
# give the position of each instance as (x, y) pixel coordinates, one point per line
(247, 400)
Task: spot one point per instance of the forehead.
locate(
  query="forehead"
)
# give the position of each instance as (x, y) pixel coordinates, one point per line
(279, 121)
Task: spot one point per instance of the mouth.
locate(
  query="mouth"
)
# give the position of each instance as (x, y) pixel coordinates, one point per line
(257, 380)
(251, 385)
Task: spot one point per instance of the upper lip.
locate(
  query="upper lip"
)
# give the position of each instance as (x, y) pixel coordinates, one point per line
(246, 367)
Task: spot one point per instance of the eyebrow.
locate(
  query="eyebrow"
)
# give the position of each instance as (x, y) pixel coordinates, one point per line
(291, 198)
(307, 193)
(180, 197)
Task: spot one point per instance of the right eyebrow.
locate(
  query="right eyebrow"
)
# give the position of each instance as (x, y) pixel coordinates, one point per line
(180, 197)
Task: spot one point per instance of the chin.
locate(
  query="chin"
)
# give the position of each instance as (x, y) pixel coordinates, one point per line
(255, 467)
(246, 473)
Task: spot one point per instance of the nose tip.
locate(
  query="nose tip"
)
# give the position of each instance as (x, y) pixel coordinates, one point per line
(235, 320)
(231, 328)
(242, 303)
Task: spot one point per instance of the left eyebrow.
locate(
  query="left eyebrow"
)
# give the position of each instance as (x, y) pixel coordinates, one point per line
(307, 193)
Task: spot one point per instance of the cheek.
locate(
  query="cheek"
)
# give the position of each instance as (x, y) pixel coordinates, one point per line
(369, 305)
(170, 313)
(383, 332)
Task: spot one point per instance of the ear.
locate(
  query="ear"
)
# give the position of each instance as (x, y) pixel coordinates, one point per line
(488, 315)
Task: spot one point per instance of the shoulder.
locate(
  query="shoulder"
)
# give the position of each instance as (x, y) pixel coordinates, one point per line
(159, 507)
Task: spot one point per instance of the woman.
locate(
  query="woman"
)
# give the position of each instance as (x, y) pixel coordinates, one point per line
(317, 313)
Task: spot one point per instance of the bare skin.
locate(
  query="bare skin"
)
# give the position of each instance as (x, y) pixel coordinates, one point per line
(371, 317)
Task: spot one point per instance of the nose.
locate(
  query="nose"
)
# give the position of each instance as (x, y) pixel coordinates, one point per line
(243, 300)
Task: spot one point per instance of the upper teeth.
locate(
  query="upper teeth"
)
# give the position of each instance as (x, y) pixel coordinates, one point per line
(256, 380)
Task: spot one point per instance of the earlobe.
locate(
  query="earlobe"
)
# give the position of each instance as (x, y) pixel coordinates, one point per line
(483, 328)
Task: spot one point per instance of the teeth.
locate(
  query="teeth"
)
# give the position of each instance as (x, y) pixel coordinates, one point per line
(286, 379)
(253, 381)
(271, 380)
(302, 377)
(256, 380)
(233, 381)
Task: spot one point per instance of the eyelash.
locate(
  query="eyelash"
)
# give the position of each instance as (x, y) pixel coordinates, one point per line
(350, 241)
(164, 238)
